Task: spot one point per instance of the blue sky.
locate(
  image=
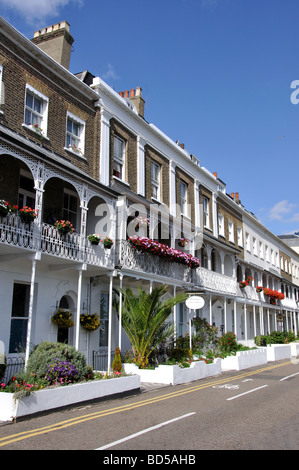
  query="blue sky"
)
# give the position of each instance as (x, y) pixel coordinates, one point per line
(216, 75)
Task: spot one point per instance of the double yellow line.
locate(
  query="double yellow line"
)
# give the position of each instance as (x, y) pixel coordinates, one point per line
(119, 409)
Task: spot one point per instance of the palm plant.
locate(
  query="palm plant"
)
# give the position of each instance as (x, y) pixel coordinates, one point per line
(144, 320)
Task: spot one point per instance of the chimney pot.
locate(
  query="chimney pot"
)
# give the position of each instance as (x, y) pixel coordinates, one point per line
(215, 174)
(121, 93)
(232, 195)
(126, 93)
(132, 92)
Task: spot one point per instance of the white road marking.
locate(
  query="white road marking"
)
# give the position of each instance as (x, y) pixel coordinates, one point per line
(285, 378)
(246, 393)
(132, 436)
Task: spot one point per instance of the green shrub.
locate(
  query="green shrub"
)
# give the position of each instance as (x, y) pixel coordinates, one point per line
(276, 337)
(261, 340)
(290, 336)
(47, 353)
(228, 342)
(116, 364)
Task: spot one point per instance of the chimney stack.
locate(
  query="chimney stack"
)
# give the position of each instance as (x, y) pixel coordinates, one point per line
(56, 41)
(136, 97)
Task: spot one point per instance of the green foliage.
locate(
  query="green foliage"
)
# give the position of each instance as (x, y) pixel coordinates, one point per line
(46, 353)
(228, 342)
(116, 364)
(206, 334)
(144, 319)
(261, 340)
(290, 336)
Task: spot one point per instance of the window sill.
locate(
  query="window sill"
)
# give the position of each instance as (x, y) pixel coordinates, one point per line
(35, 132)
(73, 152)
(120, 180)
(157, 201)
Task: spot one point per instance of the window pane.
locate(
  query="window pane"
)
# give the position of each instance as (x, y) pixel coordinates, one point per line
(20, 303)
(29, 100)
(37, 105)
(18, 333)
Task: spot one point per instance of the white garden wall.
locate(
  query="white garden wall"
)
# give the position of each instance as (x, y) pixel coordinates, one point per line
(245, 359)
(174, 375)
(52, 398)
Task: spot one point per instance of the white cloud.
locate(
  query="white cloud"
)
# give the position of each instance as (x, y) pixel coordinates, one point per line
(110, 74)
(281, 210)
(33, 10)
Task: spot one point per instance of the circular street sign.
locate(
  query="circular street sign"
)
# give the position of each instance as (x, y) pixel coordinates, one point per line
(195, 302)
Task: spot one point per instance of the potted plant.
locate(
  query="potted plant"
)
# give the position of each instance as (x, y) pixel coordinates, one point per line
(64, 226)
(107, 242)
(259, 289)
(63, 318)
(4, 208)
(27, 214)
(90, 322)
(183, 242)
(94, 238)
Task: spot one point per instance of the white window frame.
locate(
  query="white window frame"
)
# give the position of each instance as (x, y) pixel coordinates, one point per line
(155, 181)
(221, 225)
(231, 233)
(254, 246)
(119, 159)
(42, 116)
(240, 236)
(75, 143)
(205, 210)
(67, 212)
(184, 197)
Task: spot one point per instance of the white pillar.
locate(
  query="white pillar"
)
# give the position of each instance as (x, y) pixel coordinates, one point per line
(295, 323)
(254, 321)
(78, 308)
(235, 318)
(120, 310)
(175, 315)
(30, 313)
(268, 319)
(211, 310)
(245, 321)
(110, 323)
(225, 315)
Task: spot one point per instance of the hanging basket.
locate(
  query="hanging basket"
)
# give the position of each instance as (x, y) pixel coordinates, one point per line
(63, 318)
(90, 322)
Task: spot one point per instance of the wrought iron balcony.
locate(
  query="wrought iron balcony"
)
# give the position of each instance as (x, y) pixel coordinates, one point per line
(216, 282)
(148, 263)
(47, 240)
